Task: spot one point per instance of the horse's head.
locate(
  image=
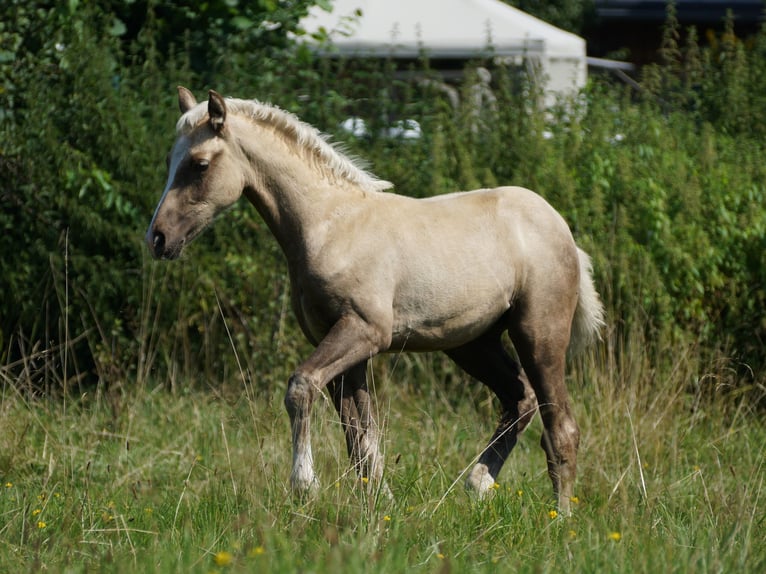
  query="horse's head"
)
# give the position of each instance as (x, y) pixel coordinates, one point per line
(203, 179)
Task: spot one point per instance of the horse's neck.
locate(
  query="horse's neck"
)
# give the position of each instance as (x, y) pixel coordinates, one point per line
(294, 198)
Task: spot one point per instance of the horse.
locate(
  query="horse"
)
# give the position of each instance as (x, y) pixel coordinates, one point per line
(376, 272)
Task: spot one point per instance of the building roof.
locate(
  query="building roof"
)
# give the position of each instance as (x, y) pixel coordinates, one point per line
(441, 28)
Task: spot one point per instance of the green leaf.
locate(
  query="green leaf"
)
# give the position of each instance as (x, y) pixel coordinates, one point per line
(117, 28)
(269, 5)
(241, 23)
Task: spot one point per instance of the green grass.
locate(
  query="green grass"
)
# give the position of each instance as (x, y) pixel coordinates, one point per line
(149, 480)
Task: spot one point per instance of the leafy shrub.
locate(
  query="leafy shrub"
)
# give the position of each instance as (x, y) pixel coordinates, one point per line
(664, 188)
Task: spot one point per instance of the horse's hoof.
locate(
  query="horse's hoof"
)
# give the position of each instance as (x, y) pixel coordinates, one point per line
(480, 482)
(304, 486)
(377, 487)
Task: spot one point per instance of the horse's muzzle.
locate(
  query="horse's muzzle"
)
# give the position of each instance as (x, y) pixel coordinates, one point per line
(155, 240)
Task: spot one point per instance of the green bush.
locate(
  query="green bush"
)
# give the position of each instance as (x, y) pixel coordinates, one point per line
(664, 188)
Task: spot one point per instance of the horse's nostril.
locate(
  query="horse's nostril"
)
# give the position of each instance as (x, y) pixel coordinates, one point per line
(158, 243)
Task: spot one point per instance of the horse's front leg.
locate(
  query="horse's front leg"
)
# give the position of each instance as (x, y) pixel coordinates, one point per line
(352, 401)
(351, 341)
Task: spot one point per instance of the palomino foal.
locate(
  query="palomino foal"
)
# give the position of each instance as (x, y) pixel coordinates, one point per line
(374, 272)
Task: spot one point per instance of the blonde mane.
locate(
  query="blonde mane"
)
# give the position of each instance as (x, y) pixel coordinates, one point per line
(303, 135)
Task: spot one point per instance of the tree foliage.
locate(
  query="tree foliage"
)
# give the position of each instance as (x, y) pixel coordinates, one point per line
(664, 187)
(569, 15)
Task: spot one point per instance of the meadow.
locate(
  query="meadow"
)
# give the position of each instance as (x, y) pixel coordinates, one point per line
(195, 480)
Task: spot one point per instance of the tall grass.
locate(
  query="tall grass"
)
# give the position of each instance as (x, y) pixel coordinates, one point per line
(196, 479)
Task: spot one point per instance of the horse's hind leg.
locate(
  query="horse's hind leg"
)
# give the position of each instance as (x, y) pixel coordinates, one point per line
(352, 401)
(485, 359)
(541, 346)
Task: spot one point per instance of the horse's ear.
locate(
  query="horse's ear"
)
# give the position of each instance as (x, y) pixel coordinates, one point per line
(186, 99)
(216, 109)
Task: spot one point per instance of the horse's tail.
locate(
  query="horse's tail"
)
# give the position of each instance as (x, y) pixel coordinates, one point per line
(589, 315)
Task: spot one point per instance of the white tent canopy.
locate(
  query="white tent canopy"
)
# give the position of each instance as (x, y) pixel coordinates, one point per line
(457, 29)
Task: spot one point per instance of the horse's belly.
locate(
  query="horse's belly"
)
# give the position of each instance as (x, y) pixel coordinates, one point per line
(447, 335)
(429, 326)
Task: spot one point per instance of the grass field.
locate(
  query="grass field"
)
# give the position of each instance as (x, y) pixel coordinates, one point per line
(196, 480)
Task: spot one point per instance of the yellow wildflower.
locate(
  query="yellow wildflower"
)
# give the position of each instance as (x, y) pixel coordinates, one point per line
(8, 485)
(440, 556)
(223, 558)
(616, 536)
(387, 518)
(519, 493)
(572, 534)
(553, 514)
(257, 551)
(574, 500)
(41, 524)
(36, 511)
(496, 486)
(365, 480)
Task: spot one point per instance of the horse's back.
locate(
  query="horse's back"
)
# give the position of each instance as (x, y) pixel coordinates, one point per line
(512, 205)
(511, 226)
